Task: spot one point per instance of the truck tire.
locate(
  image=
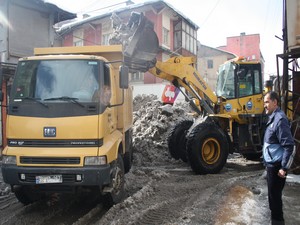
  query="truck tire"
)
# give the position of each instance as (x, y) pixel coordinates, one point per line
(128, 156)
(207, 148)
(26, 195)
(177, 139)
(117, 187)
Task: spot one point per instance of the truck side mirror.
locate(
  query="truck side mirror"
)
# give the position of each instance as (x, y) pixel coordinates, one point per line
(124, 77)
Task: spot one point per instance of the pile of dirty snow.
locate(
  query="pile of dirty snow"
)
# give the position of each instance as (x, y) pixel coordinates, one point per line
(4, 188)
(151, 122)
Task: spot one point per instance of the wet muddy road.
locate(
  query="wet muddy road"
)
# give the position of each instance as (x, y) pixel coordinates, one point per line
(170, 194)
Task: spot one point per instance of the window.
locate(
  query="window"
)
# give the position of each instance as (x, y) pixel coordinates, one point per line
(185, 36)
(46, 79)
(137, 77)
(257, 84)
(210, 64)
(78, 37)
(78, 43)
(225, 83)
(245, 82)
(166, 35)
(177, 40)
(105, 39)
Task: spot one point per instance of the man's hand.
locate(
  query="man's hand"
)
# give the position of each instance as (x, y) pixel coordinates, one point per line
(282, 173)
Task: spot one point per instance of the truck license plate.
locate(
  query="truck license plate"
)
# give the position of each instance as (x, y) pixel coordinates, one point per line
(48, 179)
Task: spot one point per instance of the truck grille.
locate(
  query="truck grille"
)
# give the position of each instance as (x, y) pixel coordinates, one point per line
(49, 160)
(55, 143)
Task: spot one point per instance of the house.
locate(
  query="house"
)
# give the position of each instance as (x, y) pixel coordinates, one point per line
(177, 34)
(245, 45)
(24, 25)
(209, 60)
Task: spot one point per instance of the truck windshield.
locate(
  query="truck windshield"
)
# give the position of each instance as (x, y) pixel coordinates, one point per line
(225, 83)
(53, 79)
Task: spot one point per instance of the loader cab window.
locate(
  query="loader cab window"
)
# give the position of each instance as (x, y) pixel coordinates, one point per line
(248, 80)
(225, 83)
(235, 81)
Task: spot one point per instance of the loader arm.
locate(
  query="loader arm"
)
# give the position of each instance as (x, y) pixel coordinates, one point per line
(181, 72)
(140, 47)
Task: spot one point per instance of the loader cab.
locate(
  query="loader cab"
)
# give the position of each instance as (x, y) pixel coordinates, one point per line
(238, 80)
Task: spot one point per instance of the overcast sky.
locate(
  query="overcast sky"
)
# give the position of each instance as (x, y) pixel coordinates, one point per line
(217, 19)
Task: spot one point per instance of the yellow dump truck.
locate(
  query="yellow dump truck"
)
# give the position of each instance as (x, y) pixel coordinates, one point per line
(69, 123)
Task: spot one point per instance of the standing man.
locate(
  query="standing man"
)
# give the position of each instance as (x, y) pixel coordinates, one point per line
(278, 153)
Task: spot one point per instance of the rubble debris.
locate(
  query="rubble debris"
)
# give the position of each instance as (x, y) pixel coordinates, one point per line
(151, 123)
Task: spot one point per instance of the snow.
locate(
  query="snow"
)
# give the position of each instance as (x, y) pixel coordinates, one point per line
(293, 178)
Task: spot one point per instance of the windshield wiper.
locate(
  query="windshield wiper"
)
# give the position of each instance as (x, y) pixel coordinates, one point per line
(38, 100)
(65, 98)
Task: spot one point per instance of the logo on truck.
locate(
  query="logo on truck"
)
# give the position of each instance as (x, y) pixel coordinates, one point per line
(49, 131)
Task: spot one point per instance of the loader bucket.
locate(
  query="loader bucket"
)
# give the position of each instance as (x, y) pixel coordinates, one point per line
(140, 43)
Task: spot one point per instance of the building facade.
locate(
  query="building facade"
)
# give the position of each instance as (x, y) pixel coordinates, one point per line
(26, 24)
(245, 45)
(209, 60)
(176, 33)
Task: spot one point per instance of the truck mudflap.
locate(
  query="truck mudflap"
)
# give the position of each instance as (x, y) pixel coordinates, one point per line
(139, 40)
(84, 176)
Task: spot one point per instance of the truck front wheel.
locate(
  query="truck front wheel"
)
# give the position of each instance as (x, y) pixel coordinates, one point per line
(116, 190)
(26, 195)
(207, 148)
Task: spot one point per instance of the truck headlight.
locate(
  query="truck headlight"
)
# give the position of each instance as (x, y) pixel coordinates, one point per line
(95, 160)
(8, 159)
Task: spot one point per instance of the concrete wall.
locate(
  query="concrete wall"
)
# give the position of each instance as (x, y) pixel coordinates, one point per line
(244, 45)
(25, 24)
(293, 23)
(217, 57)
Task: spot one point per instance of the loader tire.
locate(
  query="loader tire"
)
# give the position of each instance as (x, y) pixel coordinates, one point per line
(207, 148)
(177, 140)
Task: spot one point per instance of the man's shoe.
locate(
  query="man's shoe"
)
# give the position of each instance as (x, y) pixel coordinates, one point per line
(277, 222)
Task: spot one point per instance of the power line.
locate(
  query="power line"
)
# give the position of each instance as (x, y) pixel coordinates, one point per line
(106, 7)
(210, 13)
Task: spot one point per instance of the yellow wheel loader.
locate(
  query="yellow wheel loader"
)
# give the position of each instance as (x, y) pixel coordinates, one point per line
(229, 120)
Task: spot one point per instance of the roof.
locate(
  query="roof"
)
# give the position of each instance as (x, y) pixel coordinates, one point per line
(215, 49)
(59, 14)
(66, 27)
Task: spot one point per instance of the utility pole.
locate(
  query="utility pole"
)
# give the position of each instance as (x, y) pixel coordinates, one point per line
(285, 76)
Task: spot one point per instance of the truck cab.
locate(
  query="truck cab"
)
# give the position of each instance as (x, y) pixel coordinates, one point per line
(69, 123)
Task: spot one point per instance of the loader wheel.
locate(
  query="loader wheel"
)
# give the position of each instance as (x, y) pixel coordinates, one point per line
(207, 148)
(117, 192)
(26, 195)
(177, 140)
